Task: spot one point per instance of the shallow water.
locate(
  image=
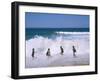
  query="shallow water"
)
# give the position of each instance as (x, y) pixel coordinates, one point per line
(41, 43)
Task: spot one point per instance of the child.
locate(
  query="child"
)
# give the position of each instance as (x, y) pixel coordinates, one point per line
(48, 52)
(74, 51)
(62, 50)
(33, 52)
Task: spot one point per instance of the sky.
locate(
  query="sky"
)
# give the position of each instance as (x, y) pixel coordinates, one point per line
(51, 20)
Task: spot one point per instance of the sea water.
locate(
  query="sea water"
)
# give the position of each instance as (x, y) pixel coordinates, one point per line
(43, 38)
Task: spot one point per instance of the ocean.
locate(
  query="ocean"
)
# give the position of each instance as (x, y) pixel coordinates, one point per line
(43, 38)
(51, 32)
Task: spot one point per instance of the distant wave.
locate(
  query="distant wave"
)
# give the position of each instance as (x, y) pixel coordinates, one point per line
(61, 32)
(64, 35)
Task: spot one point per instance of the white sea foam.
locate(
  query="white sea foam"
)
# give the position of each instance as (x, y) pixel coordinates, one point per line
(62, 32)
(41, 44)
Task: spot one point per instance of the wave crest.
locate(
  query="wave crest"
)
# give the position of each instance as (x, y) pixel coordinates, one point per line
(61, 32)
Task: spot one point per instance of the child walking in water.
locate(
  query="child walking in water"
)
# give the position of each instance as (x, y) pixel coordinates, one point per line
(48, 52)
(62, 50)
(33, 52)
(74, 51)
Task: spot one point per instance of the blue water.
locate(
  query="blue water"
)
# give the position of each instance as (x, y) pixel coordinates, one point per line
(50, 32)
